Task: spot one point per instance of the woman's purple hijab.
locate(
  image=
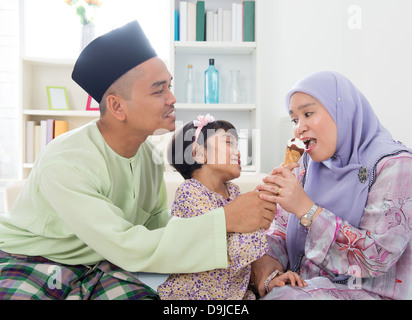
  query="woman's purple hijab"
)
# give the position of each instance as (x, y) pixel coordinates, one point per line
(341, 185)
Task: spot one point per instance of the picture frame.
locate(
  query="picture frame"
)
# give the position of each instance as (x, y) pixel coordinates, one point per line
(57, 97)
(92, 104)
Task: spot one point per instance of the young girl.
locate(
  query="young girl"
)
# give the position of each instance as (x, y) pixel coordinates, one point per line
(206, 155)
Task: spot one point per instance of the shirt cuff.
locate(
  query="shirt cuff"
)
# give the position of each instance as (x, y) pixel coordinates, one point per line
(221, 238)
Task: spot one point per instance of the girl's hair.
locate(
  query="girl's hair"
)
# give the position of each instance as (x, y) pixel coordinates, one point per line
(179, 152)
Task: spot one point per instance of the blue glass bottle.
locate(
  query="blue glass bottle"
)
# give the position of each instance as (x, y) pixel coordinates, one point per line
(211, 83)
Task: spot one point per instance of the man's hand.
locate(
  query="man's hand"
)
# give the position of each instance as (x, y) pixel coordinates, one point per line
(249, 213)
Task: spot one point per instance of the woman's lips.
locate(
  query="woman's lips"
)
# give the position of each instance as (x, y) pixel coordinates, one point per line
(310, 144)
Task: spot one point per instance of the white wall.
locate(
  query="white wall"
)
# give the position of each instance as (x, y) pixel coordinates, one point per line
(303, 36)
(9, 94)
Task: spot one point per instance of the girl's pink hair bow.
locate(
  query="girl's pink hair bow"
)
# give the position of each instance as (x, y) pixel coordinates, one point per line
(201, 122)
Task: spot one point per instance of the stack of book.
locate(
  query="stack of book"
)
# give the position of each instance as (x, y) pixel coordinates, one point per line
(194, 23)
(39, 135)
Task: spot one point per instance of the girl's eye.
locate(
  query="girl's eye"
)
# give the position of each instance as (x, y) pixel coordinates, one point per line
(308, 114)
(294, 121)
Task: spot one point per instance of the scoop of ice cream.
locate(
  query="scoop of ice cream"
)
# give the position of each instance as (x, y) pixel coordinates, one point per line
(294, 151)
(297, 144)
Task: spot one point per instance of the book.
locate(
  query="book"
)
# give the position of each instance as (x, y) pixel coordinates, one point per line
(227, 25)
(200, 21)
(215, 26)
(183, 20)
(37, 140)
(239, 22)
(220, 24)
(30, 141)
(176, 25)
(50, 130)
(60, 127)
(234, 22)
(43, 134)
(191, 21)
(210, 26)
(248, 20)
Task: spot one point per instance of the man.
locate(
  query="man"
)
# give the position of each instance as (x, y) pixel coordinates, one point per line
(94, 206)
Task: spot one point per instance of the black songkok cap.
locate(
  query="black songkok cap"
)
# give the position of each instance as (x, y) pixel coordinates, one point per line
(110, 56)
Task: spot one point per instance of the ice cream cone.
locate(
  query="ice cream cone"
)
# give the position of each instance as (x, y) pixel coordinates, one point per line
(294, 151)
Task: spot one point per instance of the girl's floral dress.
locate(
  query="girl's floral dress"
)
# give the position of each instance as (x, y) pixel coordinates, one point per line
(193, 199)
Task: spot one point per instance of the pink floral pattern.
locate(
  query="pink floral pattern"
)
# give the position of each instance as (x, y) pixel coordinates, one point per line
(379, 251)
(395, 213)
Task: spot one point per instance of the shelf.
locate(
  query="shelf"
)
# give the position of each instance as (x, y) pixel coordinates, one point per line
(204, 47)
(62, 113)
(48, 61)
(216, 107)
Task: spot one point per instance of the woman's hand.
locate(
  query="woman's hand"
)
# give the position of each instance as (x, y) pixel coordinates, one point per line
(261, 269)
(286, 190)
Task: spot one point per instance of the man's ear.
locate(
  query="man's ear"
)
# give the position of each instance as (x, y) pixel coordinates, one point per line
(115, 105)
(198, 153)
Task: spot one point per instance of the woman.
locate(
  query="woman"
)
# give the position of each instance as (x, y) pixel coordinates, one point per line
(345, 213)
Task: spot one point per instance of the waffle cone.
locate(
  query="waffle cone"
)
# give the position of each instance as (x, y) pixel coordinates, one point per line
(291, 156)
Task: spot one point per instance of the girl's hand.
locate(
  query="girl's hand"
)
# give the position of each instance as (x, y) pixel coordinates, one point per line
(284, 278)
(262, 268)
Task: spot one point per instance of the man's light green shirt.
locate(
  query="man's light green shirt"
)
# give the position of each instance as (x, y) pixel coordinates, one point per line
(83, 203)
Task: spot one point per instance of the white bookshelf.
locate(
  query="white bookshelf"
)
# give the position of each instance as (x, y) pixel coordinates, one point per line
(217, 107)
(204, 47)
(243, 56)
(36, 75)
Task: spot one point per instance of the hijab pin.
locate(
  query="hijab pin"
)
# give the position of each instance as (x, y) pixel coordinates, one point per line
(363, 174)
(339, 99)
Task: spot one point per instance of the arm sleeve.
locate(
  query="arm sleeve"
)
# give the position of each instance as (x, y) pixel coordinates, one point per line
(384, 232)
(276, 237)
(161, 214)
(178, 247)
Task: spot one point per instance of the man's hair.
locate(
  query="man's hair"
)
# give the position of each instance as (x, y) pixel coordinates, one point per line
(123, 87)
(179, 152)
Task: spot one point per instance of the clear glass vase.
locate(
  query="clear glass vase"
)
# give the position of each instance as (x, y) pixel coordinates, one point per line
(235, 92)
(87, 34)
(190, 86)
